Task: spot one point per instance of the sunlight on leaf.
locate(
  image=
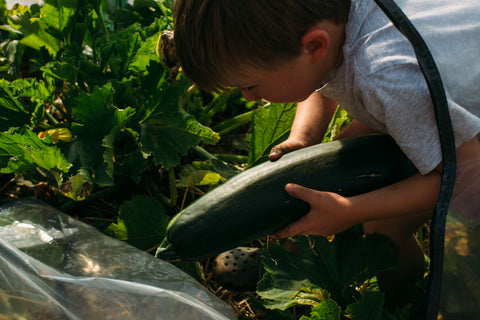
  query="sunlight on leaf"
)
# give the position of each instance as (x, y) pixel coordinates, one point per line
(311, 296)
(210, 173)
(25, 152)
(271, 125)
(78, 187)
(325, 310)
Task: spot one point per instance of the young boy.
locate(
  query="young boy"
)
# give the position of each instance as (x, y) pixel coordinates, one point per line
(321, 53)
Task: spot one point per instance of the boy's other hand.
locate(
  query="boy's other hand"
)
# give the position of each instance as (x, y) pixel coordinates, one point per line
(328, 213)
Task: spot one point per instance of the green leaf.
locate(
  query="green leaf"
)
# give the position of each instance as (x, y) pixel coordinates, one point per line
(56, 15)
(166, 130)
(95, 149)
(120, 119)
(258, 307)
(278, 291)
(159, 97)
(325, 310)
(190, 124)
(3, 12)
(207, 173)
(85, 151)
(336, 267)
(311, 296)
(118, 50)
(271, 125)
(88, 110)
(142, 222)
(33, 88)
(12, 112)
(78, 187)
(61, 70)
(369, 307)
(145, 54)
(339, 120)
(190, 176)
(166, 143)
(13, 52)
(35, 35)
(8, 148)
(26, 152)
(94, 119)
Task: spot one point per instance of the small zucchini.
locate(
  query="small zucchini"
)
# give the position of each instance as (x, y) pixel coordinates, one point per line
(254, 204)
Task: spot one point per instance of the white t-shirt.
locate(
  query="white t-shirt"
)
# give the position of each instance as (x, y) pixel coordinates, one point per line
(380, 83)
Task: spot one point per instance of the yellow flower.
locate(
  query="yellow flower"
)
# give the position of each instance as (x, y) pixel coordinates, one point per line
(57, 134)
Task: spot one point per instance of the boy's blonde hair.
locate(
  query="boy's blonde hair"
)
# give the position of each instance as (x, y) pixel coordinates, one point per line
(220, 41)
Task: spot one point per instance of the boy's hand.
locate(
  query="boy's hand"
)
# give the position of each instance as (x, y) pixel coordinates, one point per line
(285, 147)
(328, 213)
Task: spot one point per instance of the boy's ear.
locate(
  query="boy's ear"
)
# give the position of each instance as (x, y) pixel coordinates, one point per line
(316, 43)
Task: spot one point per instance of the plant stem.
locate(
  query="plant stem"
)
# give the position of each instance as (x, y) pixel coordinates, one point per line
(203, 153)
(101, 22)
(173, 187)
(233, 123)
(50, 118)
(235, 158)
(216, 105)
(168, 202)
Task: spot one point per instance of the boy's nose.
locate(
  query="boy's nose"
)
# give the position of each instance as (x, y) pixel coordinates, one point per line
(249, 95)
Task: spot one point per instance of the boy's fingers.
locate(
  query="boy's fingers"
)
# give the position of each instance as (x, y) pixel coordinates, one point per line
(292, 229)
(277, 152)
(285, 147)
(300, 192)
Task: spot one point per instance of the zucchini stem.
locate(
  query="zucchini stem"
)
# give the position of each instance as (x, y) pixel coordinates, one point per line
(233, 123)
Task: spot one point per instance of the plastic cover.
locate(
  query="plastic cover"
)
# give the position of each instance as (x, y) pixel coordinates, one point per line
(460, 296)
(451, 30)
(53, 266)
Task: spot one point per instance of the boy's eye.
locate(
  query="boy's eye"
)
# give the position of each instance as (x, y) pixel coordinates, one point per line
(247, 88)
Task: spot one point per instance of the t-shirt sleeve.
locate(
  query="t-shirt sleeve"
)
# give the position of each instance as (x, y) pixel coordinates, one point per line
(399, 98)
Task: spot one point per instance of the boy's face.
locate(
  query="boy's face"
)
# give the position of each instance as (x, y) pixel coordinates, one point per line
(294, 81)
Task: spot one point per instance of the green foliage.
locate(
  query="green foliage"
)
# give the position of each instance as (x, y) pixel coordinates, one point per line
(340, 267)
(104, 84)
(142, 222)
(23, 152)
(325, 310)
(271, 125)
(334, 278)
(206, 173)
(13, 113)
(87, 106)
(340, 120)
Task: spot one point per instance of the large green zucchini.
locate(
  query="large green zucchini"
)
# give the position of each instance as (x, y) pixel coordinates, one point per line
(254, 204)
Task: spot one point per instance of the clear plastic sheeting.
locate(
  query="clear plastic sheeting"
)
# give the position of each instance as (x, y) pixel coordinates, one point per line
(460, 296)
(53, 266)
(450, 30)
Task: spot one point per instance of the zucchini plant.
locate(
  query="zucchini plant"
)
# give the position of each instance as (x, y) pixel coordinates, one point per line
(85, 101)
(88, 109)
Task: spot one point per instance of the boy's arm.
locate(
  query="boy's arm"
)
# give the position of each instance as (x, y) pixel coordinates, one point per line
(309, 126)
(331, 213)
(355, 129)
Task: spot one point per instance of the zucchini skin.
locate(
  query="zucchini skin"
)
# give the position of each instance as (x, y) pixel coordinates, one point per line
(254, 204)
